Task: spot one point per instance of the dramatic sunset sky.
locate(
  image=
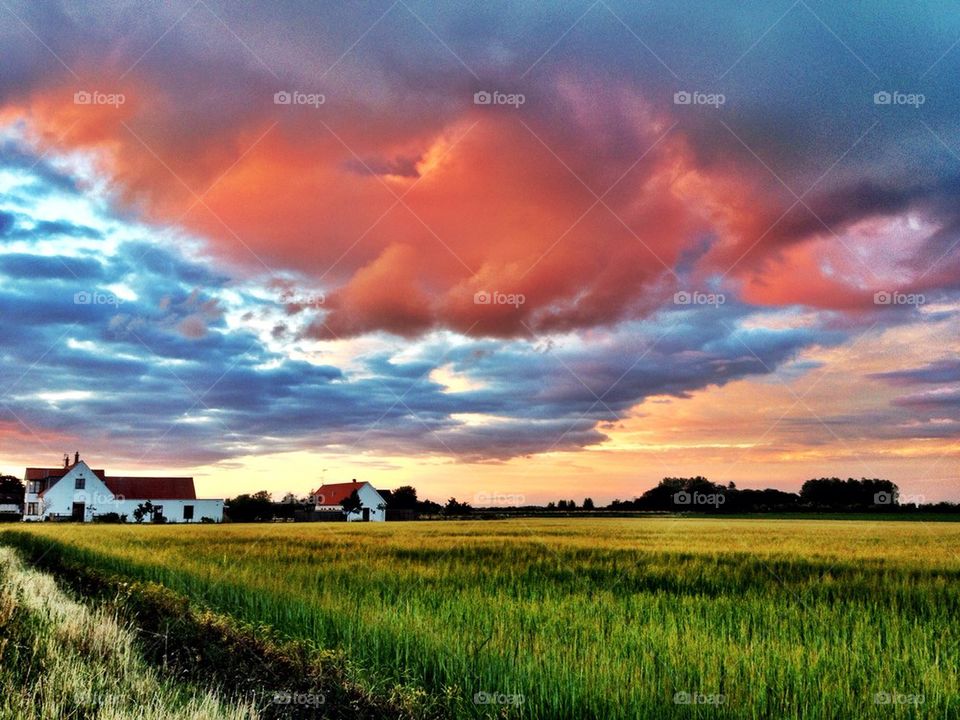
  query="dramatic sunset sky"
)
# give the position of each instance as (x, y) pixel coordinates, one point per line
(252, 243)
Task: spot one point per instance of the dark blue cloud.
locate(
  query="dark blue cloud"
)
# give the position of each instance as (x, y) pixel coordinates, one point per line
(43, 268)
(187, 397)
(941, 371)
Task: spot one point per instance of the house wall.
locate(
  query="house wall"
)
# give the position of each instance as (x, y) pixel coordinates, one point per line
(173, 509)
(58, 501)
(371, 499)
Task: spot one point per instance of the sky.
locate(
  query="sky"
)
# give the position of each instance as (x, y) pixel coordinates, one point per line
(508, 252)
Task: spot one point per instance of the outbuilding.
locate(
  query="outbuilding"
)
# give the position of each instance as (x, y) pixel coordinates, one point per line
(330, 499)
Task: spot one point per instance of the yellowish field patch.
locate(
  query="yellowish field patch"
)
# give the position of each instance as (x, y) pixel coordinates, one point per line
(618, 618)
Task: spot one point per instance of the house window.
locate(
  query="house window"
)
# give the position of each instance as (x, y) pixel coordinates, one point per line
(34, 487)
(32, 509)
(80, 484)
(188, 512)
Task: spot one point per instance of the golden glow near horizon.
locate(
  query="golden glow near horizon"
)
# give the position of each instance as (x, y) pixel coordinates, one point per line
(757, 433)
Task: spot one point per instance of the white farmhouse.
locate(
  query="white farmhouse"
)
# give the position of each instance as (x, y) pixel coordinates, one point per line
(330, 498)
(78, 492)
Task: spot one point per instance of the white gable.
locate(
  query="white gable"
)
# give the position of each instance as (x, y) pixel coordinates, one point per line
(79, 485)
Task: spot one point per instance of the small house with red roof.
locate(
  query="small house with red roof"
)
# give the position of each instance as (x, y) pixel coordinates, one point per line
(80, 493)
(330, 498)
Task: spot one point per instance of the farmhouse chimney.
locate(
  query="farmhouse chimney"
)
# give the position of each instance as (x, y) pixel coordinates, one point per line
(66, 460)
(76, 457)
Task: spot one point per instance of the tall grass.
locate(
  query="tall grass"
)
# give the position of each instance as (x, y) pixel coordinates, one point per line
(61, 660)
(606, 619)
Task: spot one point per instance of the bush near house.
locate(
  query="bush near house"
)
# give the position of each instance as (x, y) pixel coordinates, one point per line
(110, 518)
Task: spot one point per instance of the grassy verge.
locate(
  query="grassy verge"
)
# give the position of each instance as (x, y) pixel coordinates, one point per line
(250, 663)
(60, 660)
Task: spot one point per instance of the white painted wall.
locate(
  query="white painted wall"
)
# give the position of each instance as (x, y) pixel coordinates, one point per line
(173, 509)
(98, 500)
(371, 499)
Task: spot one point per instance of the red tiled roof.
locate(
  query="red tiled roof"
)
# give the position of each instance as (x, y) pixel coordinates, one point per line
(152, 488)
(44, 473)
(336, 493)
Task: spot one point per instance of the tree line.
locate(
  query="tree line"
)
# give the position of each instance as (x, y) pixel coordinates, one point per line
(698, 494)
(672, 494)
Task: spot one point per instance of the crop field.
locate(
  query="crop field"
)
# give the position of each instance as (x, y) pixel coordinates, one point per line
(626, 618)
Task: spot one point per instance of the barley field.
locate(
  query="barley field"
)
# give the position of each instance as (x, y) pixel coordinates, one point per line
(614, 618)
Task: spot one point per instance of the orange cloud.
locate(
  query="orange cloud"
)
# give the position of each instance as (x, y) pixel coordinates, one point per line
(403, 229)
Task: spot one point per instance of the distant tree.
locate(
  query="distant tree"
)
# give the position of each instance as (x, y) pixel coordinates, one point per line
(571, 505)
(850, 494)
(429, 507)
(454, 508)
(11, 489)
(561, 505)
(588, 503)
(352, 504)
(290, 506)
(257, 507)
(551, 506)
(767, 500)
(816, 495)
(404, 498)
(672, 493)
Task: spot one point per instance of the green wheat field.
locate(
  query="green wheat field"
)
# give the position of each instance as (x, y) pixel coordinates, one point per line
(617, 618)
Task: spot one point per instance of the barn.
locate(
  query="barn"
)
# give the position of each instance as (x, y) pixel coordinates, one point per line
(80, 493)
(330, 498)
